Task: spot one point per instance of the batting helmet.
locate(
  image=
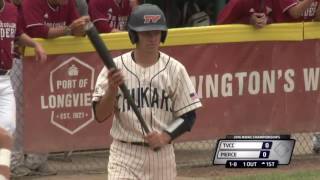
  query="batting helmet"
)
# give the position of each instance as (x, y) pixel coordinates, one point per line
(147, 17)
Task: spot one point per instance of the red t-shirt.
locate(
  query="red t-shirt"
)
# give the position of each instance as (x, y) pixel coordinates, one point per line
(40, 16)
(281, 13)
(107, 15)
(10, 28)
(239, 11)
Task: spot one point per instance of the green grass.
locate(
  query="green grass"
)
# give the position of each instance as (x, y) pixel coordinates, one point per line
(298, 175)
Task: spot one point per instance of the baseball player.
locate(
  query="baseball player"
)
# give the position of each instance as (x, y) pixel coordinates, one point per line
(43, 19)
(10, 29)
(53, 18)
(255, 12)
(109, 15)
(162, 90)
(295, 10)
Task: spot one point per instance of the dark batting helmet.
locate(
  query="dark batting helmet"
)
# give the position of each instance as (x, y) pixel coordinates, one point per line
(147, 17)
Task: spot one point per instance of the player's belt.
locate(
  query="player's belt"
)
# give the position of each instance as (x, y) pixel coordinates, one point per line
(4, 72)
(136, 143)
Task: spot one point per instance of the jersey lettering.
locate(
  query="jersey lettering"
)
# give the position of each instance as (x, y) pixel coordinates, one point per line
(158, 99)
(7, 30)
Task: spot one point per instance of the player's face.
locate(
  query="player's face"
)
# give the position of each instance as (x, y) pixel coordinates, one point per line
(149, 39)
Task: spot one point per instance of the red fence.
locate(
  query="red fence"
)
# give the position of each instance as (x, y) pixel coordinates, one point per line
(246, 88)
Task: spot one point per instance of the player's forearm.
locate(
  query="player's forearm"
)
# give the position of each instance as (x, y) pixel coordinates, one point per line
(296, 11)
(105, 107)
(26, 40)
(59, 31)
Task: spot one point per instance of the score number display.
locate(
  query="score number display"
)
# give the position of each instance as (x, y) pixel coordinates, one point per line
(254, 151)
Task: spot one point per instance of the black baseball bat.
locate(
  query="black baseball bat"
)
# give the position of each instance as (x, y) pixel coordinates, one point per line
(104, 54)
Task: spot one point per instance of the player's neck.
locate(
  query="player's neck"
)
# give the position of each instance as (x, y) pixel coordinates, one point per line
(146, 59)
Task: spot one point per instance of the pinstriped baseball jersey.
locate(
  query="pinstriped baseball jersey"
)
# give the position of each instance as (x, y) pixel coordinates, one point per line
(162, 92)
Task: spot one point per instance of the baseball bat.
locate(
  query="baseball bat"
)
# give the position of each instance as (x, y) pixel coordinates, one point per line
(104, 54)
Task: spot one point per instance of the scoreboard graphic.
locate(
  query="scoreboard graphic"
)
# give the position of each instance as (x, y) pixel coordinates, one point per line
(254, 151)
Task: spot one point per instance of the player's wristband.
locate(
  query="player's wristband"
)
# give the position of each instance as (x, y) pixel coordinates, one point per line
(173, 130)
(181, 125)
(5, 155)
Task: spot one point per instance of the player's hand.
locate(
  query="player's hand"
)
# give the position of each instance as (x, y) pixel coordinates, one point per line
(258, 20)
(114, 30)
(40, 53)
(157, 140)
(78, 26)
(115, 78)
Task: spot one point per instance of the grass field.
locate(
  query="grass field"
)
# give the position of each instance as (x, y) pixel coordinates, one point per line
(299, 175)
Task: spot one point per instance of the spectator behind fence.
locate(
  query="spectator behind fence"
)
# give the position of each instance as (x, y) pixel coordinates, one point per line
(9, 16)
(298, 11)
(110, 15)
(53, 18)
(295, 10)
(255, 12)
(43, 19)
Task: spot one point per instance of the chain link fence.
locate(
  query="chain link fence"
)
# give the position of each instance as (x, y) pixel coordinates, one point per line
(188, 154)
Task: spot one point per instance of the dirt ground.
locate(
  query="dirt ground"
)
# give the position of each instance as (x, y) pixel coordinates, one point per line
(193, 161)
(203, 173)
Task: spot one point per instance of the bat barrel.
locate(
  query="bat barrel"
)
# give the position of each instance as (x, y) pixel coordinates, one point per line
(99, 45)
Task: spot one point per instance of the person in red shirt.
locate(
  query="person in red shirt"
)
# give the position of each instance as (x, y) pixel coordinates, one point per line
(110, 15)
(53, 18)
(10, 29)
(295, 10)
(255, 12)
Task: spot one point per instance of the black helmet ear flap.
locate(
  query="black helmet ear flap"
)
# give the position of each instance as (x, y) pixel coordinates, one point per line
(133, 36)
(163, 36)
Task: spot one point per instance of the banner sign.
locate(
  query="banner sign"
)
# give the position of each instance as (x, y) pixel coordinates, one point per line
(246, 88)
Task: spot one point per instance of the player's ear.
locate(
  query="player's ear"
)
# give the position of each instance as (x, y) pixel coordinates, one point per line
(133, 36)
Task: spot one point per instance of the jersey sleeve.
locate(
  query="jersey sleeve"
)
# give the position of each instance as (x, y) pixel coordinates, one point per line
(98, 15)
(185, 97)
(231, 13)
(33, 19)
(103, 26)
(73, 12)
(101, 85)
(287, 4)
(33, 13)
